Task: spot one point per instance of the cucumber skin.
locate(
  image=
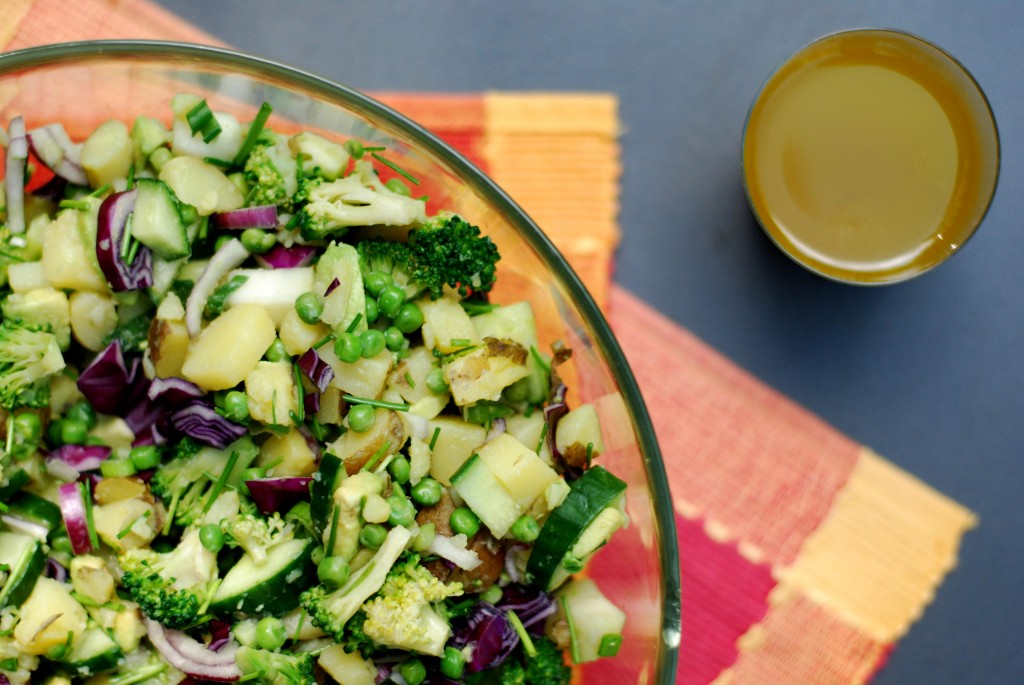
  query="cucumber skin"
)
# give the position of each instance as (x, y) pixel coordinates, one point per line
(589, 495)
(27, 582)
(322, 491)
(274, 597)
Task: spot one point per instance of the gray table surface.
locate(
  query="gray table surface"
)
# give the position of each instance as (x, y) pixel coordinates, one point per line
(929, 373)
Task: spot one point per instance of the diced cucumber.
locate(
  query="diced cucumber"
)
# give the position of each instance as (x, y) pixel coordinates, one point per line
(156, 221)
(35, 509)
(486, 496)
(93, 651)
(23, 556)
(510, 322)
(597, 623)
(589, 496)
(16, 480)
(271, 588)
(165, 273)
(325, 480)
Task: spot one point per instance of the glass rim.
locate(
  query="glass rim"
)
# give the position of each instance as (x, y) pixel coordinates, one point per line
(663, 510)
(956, 64)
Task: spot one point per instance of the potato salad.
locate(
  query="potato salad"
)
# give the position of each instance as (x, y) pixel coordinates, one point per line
(262, 422)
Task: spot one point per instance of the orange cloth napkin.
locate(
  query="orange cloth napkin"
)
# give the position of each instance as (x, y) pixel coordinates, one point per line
(805, 556)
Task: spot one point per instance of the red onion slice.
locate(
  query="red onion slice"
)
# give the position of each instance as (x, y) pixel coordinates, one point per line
(72, 508)
(81, 457)
(316, 369)
(278, 494)
(264, 216)
(52, 146)
(173, 391)
(202, 422)
(281, 257)
(191, 656)
(14, 179)
(110, 235)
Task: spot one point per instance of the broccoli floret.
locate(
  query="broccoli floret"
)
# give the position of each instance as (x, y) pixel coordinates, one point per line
(546, 667)
(359, 199)
(256, 534)
(43, 308)
(28, 357)
(402, 615)
(331, 610)
(270, 170)
(275, 668)
(191, 481)
(447, 251)
(173, 588)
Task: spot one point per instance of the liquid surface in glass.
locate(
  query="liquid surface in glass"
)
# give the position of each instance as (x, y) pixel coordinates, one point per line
(859, 159)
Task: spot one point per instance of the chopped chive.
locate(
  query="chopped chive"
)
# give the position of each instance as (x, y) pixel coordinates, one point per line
(460, 342)
(524, 636)
(74, 204)
(104, 188)
(255, 129)
(355, 322)
(409, 380)
(132, 252)
(126, 239)
(300, 392)
(10, 256)
(317, 429)
(474, 308)
(590, 453)
(334, 531)
(543, 436)
(9, 446)
(131, 177)
(204, 227)
(210, 592)
(222, 163)
(273, 407)
(352, 399)
(435, 436)
(201, 120)
(90, 524)
(377, 456)
(323, 341)
(535, 353)
(128, 529)
(574, 643)
(394, 167)
(298, 626)
(218, 487)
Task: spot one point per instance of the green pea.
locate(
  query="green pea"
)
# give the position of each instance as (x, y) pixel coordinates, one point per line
(491, 595)
(403, 513)
(394, 339)
(257, 241)
(82, 411)
(424, 537)
(251, 473)
(464, 521)
(211, 537)
(436, 382)
(372, 535)
(117, 468)
(409, 318)
(73, 431)
(333, 571)
(270, 633)
(53, 433)
(525, 529)
(361, 418)
(372, 313)
(376, 281)
(236, 406)
(399, 468)
(189, 214)
(276, 352)
(395, 185)
(426, 493)
(372, 342)
(413, 671)
(452, 663)
(309, 307)
(390, 301)
(348, 347)
(354, 148)
(29, 427)
(61, 543)
(144, 457)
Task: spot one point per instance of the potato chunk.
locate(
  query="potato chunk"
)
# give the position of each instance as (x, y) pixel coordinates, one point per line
(47, 616)
(229, 348)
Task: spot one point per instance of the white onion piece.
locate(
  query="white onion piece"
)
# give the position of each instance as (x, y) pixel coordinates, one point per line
(36, 530)
(54, 148)
(14, 180)
(61, 470)
(192, 657)
(416, 426)
(229, 256)
(72, 508)
(454, 550)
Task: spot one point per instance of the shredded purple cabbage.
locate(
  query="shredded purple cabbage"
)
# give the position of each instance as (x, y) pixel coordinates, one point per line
(202, 422)
(112, 384)
(278, 494)
(492, 636)
(173, 391)
(532, 606)
(81, 457)
(316, 370)
(281, 257)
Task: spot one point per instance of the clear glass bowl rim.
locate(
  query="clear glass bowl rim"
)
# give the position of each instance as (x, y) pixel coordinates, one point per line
(664, 513)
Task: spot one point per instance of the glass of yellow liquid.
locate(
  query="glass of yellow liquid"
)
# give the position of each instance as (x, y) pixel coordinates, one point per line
(870, 156)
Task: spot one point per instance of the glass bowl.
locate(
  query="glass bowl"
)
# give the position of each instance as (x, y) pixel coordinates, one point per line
(82, 84)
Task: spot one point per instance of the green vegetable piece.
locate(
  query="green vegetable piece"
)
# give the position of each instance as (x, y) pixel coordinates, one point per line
(270, 633)
(453, 663)
(361, 418)
(372, 535)
(333, 571)
(144, 457)
(373, 342)
(427, 492)
(309, 307)
(463, 521)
